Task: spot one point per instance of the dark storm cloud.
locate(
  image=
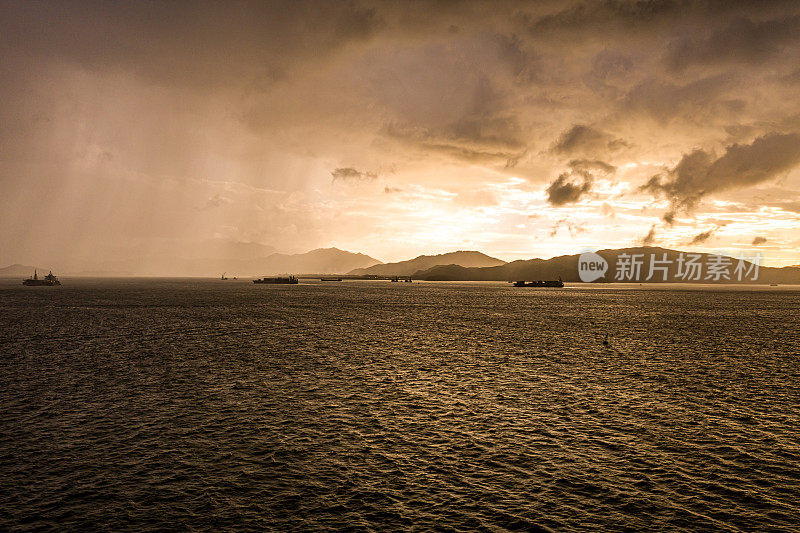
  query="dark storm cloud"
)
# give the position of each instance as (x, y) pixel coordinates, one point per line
(702, 237)
(568, 189)
(259, 44)
(492, 131)
(608, 15)
(476, 126)
(759, 240)
(591, 166)
(637, 19)
(664, 100)
(741, 41)
(699, 173)
(479, 139)
(582, 139)
(259, 95)
(351, 174)
(202, 44)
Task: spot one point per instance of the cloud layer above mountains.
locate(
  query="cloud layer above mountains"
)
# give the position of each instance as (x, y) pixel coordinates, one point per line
(133, 127)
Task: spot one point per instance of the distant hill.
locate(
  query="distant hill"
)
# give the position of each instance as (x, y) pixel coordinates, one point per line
(319, 261)
(423, 262)
(205, 257)
(210, 257)
(247, 260)
(24, 271)
(566, 267)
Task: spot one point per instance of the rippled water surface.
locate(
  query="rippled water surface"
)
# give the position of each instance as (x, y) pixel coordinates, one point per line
(152, 404)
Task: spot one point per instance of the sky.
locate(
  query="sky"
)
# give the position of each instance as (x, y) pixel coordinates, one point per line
(134, 130)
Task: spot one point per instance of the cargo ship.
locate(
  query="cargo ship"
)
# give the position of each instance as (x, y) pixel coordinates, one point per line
(291, 280)
(540, 283)
(48, 281)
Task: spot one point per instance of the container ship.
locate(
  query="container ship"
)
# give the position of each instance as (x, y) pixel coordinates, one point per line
(540, 283)
(291, 280)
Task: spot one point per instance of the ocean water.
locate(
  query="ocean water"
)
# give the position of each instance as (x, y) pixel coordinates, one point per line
(374, 406)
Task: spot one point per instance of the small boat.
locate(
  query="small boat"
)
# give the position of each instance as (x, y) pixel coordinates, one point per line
(48, 281)
(223, 276)
(291, 280)
(330, 279)
(540, 283)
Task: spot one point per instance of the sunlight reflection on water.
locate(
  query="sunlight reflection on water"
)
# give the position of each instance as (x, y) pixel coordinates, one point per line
(150, 404)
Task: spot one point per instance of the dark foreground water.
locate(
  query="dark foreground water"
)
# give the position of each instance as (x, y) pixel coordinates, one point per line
(194, 405)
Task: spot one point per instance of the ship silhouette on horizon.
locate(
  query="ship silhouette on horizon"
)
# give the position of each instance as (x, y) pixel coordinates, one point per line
(48, 281)
(291, 280)
(558, 283)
